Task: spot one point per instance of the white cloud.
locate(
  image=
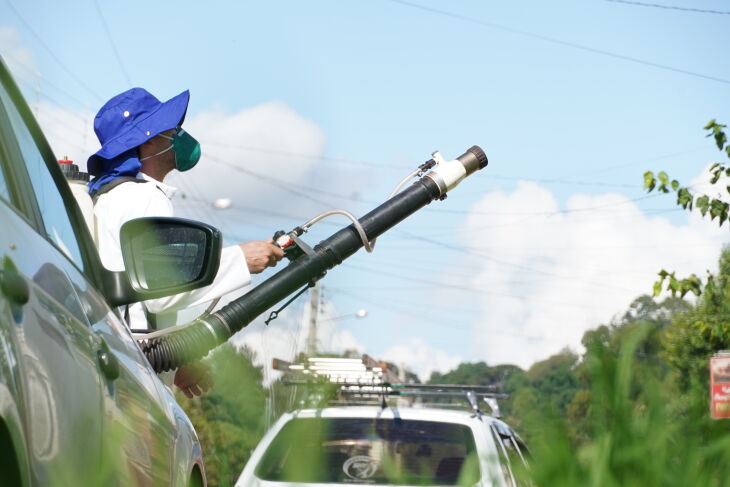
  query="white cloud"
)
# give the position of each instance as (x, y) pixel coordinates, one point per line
(18, 58)
(548, 278)
(69, 132)
(421, 358)
(266, 157)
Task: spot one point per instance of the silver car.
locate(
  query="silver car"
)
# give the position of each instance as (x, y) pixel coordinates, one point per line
(79, 403)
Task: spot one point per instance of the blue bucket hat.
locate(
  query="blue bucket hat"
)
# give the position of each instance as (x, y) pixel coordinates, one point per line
(124, 123)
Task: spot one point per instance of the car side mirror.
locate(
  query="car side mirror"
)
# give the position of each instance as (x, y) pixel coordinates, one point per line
(165, 256)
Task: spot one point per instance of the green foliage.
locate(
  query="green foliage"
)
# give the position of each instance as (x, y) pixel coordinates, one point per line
(228, 418)
(716, 208)
(554, 379)
(508, 378)
(635, 438)
(696, 335)
(676, 286)
(630, 425)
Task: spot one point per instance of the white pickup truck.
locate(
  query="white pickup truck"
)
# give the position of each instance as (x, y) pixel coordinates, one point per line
(385, 447)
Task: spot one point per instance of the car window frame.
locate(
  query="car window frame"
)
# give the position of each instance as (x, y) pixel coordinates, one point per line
(21, 187)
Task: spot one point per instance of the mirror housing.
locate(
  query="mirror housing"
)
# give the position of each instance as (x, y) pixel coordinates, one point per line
(164, 256)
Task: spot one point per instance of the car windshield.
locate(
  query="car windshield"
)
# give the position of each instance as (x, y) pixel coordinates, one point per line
(371, 451)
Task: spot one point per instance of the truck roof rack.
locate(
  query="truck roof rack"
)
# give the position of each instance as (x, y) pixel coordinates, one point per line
(363, 381)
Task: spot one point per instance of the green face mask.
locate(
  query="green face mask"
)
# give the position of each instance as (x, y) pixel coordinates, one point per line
(186, 149)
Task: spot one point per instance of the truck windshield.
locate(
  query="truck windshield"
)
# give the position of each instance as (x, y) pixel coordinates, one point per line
(372, 451)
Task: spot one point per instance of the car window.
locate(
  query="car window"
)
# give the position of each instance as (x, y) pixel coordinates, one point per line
(53, 210)
(367, 451)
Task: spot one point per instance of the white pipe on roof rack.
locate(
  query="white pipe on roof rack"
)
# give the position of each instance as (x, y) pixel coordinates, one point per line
(335, 360)
(337, 368)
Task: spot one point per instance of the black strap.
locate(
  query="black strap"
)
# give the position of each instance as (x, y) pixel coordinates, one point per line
(113, 184)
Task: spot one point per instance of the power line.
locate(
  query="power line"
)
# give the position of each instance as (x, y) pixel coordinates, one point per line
(564, 181)
(111, 41)
(32, 72)
(671, 7)
(404, 167)
(549, 213)
(311, 156)
(558, 41)
(289, 187)
(470, 289)
(491, 175)
(51, 53)
(489, 258)
(304, 191)
(643, 161)
(410, 311)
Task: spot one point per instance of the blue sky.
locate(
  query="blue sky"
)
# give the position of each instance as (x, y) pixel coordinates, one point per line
(337, 100)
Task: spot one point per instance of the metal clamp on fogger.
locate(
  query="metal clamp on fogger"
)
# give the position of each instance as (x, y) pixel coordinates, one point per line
(181, 345)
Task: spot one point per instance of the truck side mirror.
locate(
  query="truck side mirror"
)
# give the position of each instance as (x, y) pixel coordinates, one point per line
(164, 256)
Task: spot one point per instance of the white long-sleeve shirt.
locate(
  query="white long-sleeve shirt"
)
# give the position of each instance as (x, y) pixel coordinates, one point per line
(135, 200)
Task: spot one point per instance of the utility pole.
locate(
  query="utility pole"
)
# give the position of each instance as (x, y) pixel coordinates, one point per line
(313, 313)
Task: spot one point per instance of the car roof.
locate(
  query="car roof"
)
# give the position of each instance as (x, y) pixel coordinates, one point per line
(410, 413)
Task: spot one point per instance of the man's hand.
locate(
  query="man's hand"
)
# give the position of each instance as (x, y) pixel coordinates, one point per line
(193, 379)
(261, 254)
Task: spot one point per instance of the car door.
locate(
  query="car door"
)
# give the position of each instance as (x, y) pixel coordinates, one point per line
(140, 428)
(55, 367)
(127, 429)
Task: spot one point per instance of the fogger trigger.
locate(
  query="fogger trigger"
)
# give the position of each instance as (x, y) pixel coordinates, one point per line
(293, 246)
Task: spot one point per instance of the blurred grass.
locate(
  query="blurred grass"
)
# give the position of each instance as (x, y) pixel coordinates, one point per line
(640, 431)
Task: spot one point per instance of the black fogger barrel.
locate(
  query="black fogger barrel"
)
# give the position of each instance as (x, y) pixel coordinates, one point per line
(193, 341)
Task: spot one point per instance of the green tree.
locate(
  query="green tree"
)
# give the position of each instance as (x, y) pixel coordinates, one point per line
(508, 378)
(229, 418)
(695, 336)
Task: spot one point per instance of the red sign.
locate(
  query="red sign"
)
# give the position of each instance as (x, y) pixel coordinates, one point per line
(720, 387)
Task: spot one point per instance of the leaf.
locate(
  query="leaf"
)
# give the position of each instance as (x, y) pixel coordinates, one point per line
(649, 181)
(715, 177)
(675, 185)
(673, 284)
(718, 209)
(657, 288)
(703, 203)
(684, 198)
(663, 177)
(714, 166)
(720, 138)
(710, 124)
